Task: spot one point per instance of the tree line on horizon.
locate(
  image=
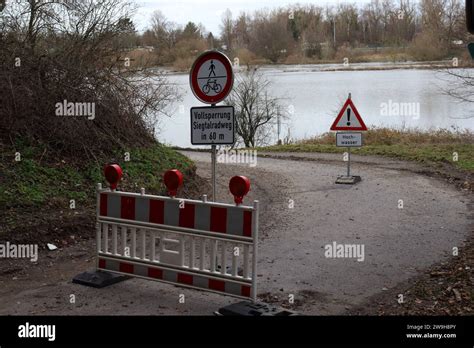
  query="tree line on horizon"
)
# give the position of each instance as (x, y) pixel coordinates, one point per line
(424, 29)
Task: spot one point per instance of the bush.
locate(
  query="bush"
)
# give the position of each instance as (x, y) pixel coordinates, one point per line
(295, 59)
(79, 62)
(342, 52)
(183, 64)
(427, 46)
(246, 57)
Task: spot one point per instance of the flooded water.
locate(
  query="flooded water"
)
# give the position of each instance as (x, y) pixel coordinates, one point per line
(401, 98)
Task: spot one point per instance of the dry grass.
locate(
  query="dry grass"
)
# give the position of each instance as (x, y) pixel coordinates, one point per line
(389, 136)
(437, 148)
(183, 64)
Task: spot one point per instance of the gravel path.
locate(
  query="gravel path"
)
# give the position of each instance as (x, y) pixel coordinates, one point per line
(303, 211)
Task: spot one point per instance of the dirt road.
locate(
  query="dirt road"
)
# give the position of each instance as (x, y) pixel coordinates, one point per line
(402, 221)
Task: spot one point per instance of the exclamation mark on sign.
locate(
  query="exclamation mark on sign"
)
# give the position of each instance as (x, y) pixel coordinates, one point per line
(348, 117)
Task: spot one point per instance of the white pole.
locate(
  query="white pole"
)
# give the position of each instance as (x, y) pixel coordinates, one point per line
(254, 256)
(98, 224)
(213, 160)
(214, 180)
(349, 153)
(349, 162)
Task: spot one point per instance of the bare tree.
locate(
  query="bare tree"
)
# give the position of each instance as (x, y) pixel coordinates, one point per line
(255, 109)
(241, 31)
(164, 31)
(270, 36)
(227, 26)
(346, 23)
(454, 19)
(461, 85)
(373, 16)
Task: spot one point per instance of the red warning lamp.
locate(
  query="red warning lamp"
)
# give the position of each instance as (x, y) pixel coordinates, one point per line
(113, 174)
(173, 180)
(239, 186)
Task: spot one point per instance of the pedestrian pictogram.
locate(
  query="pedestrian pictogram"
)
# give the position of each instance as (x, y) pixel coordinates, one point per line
(211, 77)
(212, 68)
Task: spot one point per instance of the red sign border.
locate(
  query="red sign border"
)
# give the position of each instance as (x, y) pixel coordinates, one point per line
(362, 127)
(193, 81)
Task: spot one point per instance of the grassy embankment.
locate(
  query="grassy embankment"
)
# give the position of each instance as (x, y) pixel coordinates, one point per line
(35, 192)
(436, 149)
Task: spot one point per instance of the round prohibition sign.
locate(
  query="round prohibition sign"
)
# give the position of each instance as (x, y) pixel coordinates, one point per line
(211, 77)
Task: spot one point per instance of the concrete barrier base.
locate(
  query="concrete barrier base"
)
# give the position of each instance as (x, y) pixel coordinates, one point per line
(98, 279)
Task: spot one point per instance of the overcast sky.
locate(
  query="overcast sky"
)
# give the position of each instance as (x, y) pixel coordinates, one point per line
(209, 12)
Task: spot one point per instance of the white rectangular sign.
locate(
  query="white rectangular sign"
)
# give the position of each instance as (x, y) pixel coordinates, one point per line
(349, 139)
(213, 125)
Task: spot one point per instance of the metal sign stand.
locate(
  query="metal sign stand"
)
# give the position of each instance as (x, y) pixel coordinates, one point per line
(214, 180)
(348, 179)
(349, 161)
(215, 68)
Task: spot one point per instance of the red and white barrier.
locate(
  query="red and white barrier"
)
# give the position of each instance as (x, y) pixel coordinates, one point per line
(200, 215)
(198, 244)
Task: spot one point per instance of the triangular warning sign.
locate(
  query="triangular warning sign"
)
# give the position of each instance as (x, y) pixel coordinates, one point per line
(349, 119)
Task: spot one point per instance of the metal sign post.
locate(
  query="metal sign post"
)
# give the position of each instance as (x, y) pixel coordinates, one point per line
(349, 140)
(214, 169)
(348, 162)
(211, 81)
(214, 173)
(348, 120)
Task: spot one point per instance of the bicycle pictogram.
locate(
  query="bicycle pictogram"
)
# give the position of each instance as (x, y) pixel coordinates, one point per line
(212, 85)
